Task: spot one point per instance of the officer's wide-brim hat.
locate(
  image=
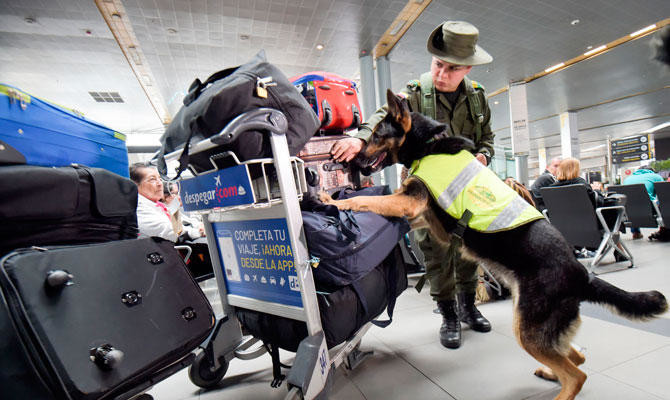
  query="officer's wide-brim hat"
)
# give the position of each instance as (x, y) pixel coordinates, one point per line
(456, 43)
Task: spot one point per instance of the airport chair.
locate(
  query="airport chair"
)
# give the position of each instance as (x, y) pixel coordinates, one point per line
(663, 196)
(641, 211)
(570, 210)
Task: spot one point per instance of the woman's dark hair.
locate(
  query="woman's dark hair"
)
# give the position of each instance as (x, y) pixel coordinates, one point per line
(135, 172)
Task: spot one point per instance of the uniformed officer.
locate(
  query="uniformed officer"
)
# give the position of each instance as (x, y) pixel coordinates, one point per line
(448, 96)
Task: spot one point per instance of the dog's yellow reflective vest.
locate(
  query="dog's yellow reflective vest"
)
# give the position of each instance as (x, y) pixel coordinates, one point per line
(459, 182)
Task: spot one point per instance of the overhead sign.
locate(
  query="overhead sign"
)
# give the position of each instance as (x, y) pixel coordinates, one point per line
(635, 148)
(518, 111)
(223, 188)
(257, 260)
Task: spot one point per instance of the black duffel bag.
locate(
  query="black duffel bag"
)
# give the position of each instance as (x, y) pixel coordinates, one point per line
(67, 205)
(210, 105)
(343, 311)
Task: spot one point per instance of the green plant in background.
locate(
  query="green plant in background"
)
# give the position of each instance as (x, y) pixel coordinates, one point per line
(661, 165)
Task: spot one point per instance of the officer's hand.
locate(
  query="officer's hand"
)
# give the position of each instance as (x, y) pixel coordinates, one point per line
(481, 158)
(346, 149)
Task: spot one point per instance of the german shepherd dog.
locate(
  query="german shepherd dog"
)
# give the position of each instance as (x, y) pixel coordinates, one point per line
(535, 261)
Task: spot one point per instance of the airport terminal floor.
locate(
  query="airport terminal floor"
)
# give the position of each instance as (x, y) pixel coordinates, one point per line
(624, 359)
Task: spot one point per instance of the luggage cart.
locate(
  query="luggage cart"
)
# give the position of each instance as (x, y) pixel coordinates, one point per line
(254, 229)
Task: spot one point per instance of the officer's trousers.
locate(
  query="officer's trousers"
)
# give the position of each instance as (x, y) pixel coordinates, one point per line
(446, 270)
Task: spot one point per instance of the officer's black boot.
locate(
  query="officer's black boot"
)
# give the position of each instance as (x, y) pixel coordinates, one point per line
(469, 314)
(450, 331)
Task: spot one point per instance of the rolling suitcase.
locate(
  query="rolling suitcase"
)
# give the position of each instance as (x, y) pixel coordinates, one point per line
(52, 136)
(321, 171)
(67, 205)
(97, 321)
(333, 98)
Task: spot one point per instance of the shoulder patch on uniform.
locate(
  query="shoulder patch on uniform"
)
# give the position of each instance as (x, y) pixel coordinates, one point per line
(413, 84)
(477, 85)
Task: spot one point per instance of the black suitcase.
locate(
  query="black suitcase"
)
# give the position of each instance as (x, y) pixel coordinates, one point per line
(67, 205)
(100, 321)
(343, 311)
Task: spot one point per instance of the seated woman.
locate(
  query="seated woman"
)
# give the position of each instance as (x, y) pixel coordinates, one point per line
(153, 217)
(568, 174)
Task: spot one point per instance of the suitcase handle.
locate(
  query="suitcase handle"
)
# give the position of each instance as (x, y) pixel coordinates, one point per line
(260, 119)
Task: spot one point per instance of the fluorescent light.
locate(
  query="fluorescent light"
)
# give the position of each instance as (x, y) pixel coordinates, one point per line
(319, 46)
(643, 30)
(657, 127)
(555, 67)
(597, 49)
(594, 148)
(396, 28)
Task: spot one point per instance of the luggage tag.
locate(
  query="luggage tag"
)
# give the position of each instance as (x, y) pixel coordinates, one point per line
(261, 86)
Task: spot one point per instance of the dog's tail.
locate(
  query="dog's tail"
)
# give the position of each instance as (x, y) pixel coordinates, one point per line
(631, 305)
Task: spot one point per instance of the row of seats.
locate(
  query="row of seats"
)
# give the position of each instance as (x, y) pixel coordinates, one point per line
(570, 210)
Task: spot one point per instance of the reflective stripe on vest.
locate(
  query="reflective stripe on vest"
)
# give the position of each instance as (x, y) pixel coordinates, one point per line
(460, 182)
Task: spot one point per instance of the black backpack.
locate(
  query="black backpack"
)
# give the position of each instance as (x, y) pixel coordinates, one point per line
(209, 106)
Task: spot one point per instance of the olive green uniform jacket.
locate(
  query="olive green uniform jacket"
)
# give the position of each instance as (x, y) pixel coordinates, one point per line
(457, 118)
(446, 270)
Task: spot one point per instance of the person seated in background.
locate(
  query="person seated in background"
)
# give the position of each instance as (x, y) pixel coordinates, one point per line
(547, 178)
(190, 228)
(568, 174)
(646, 176)
(153, 217)
(520, 188)
(598, 187)
(192, 234)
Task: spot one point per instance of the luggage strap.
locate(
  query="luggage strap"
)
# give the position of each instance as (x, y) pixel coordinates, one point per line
(277, 376)
(391, 283)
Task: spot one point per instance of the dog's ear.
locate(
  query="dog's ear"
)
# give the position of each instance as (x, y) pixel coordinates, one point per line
(399, 110)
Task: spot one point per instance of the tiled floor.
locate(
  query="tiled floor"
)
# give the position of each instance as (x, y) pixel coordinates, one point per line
(624, 360)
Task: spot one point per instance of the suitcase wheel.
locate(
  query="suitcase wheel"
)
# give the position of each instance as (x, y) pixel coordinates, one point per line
(58, 279)
(106, 357)
(312, 177)
(201, 373)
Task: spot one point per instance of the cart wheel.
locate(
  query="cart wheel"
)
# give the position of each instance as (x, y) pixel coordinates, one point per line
(201, 374)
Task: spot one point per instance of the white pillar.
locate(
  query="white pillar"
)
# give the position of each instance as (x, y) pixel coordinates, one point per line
(542, 159)
(520, 133)
(367, 89)
(569, 135)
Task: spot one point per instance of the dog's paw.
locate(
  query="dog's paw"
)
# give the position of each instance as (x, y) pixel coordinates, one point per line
(545, 373)
(325, 198)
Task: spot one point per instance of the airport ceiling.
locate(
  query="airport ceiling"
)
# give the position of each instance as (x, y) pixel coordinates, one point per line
(61, 50)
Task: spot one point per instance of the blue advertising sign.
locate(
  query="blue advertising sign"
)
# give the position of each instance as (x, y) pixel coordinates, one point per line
(257, 260)
(223, 188)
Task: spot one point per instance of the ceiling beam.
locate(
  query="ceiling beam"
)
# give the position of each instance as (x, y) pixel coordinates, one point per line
(119, 24)
(399, 26)
(592, 53)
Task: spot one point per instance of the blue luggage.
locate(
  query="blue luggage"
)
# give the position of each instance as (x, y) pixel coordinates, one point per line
(52, 136)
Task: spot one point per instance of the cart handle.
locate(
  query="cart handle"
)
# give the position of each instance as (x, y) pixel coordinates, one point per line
(267, 119)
